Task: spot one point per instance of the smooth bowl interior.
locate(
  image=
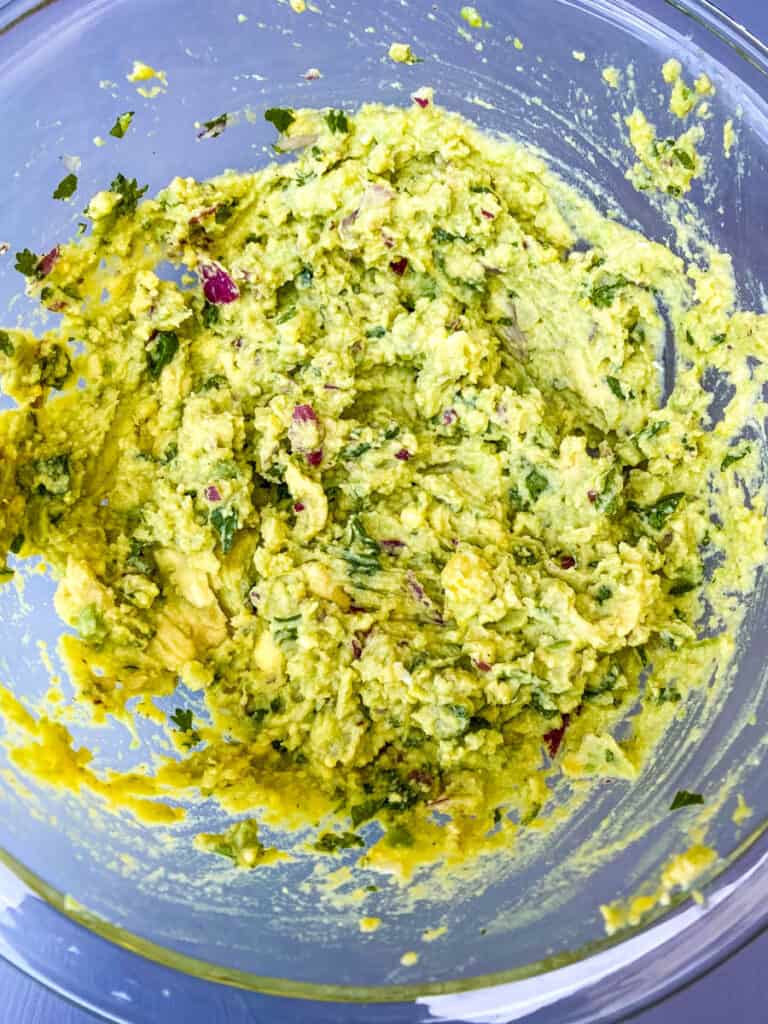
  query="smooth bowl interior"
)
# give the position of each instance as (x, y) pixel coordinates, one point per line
(62, 82)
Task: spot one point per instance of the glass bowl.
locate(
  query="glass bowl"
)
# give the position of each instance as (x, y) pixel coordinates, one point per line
(124, 928)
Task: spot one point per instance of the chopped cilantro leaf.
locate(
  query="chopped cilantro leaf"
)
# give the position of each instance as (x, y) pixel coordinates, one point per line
(375, 332)
(213, 128)
(332, 842)
(685, 159)
(163, 348)
(182, 718)
(615, 385)
(122, 124)
(732, 457)
(210, 314)
(602, 295)
(26, 263)
(281, 117)
(536, 483)
(129, 192)
(337, 121)
(66, 187)
(656, 515)
(6, 345)
(225, 524)
(685, 799)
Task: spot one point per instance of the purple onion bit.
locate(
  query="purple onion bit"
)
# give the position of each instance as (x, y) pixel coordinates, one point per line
(403, 455)
(449, 416)
(253, 597)
(298, 506)
(304, 414)
(212, 493)
(218, 286)
(392, 547)
(315, 458)
(400, 266)
(421, 100)
(357, 649)
(482, 666)
(48, 262)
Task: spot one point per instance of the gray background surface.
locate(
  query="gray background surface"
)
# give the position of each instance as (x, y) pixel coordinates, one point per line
(736, 991)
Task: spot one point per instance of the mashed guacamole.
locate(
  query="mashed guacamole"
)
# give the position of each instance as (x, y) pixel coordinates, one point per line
(385, 453)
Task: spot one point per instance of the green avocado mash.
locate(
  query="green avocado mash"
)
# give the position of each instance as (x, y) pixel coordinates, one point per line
(390, 475)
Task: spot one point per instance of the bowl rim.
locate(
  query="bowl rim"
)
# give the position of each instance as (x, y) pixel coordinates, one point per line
(727, 919)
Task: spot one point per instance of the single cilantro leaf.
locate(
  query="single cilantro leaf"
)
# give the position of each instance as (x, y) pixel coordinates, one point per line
(602, 295)
(122, 124)
(656, 515)
(213, 128)
(376, 332)
(603, 594)
(615, 385)
(182, 718)
(6, 345)
(26, 263)
(129, 192)
(164, 347)
(225, 524)
(281, 117)
(681, 586)
(66, 187)
(332, 842)
(337, 121)
(210, 314)
(685, 159)
(732, 457)
(685, 799)
(536, 483)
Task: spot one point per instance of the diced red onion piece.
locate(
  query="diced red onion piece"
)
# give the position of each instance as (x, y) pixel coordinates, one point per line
(48, 262)
(253, 597)
(403, 455)
(449, 416)
(421, 100)
(554, 737)
(483, 666)
(391, 546)
(567, 562)
(304, 414)
(592, 495)
(400, 266)
(487, 214)
(212, 493)
(315, 458)
(218, 286)
(357, 650)
(298, 506)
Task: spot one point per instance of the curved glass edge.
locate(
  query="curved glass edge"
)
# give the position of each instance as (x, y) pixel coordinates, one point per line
(690, 937)
(728, 919)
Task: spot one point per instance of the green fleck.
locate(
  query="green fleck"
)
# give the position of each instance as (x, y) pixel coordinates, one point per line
(365, 811)
(140, 557)
(210, 314)
(26, 263)
(66, 187)
(332, 842)
(375, 332)
(281, 117)
(603, 594)
(213, 128)
(732, 457)
(182, 718)
(122, 124)
(615, 385)
(602, 295)
(441, 235)
(399, 835)
(536, 483)
(50, 476)
(17, 544)
(129, 192)
(362, 554)
(657, 515)
(163, 348)
(682, 586)
(225, 523)
(305, 277)
(354, 451)
(685, 159)
(337, 121)
(6, 345)
(685, 799)
(90, 625)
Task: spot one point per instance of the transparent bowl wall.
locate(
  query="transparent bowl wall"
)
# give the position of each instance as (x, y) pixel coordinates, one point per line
(261, 930)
